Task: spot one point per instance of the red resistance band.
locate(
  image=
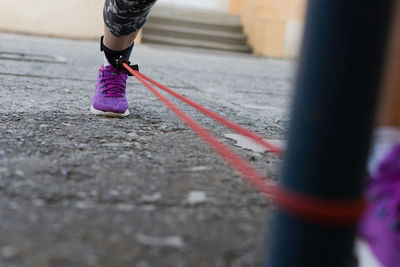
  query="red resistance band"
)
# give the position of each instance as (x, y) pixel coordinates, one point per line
(330, 212)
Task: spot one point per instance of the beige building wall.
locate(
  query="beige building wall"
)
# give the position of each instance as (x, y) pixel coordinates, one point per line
(72, 18)
(274, 27)
(214, 5)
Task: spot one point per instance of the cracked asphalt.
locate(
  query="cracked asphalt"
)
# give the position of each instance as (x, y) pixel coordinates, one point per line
(83, 190)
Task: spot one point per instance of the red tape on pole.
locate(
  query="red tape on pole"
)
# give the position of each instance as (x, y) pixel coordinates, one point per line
(315, 209)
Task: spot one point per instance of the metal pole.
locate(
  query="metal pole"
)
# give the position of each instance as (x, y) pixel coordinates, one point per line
(335, 98)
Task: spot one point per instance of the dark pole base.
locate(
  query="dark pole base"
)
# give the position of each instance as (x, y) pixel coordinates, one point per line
(336, 94)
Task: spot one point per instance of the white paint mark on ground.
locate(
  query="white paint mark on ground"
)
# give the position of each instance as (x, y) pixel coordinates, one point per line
(199, 168)
(168, 241)
(152, 198)
(247, 143)
(277, 110)
(8, 252)
(196, 197)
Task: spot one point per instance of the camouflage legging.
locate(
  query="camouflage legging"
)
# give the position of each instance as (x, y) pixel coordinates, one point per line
(123, 17)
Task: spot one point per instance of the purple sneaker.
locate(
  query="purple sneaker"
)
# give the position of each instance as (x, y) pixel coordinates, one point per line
(109, 98)
(380, 225)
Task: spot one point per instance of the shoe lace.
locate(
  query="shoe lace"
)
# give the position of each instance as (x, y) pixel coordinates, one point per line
(113, 83)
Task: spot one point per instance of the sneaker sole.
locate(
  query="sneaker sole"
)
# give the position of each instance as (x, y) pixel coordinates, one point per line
(108, 114)
(366, 257)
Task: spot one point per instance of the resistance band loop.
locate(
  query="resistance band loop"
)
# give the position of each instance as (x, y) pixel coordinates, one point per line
(231, 125)
(318, 210)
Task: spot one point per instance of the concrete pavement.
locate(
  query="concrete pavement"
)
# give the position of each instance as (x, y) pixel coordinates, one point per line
(82, 190)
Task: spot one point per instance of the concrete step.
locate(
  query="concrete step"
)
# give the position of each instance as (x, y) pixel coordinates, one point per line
(173, 41)
(195, 34)
(193, 15)
(235, 26)
(195, 28)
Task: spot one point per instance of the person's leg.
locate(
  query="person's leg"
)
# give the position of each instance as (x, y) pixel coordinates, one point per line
(118, 43)
(380, 225)
(123, 19)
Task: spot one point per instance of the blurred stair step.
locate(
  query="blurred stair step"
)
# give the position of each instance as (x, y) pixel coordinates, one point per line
(197, 24)
(195, 34)
(195, 28)
(173, 41)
